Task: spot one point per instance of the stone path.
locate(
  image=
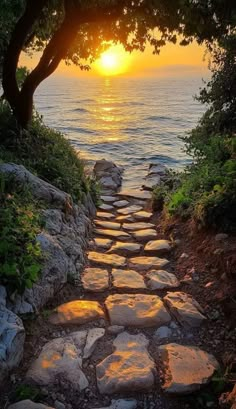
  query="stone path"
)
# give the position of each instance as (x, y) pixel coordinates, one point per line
(120, 340)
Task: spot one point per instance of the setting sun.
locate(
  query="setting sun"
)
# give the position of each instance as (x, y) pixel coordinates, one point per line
(114, 61)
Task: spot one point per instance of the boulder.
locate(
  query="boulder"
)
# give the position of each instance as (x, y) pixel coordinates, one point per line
(186, 369)
(108, 174)
(134, 368)
(28, 404)
(12, 338)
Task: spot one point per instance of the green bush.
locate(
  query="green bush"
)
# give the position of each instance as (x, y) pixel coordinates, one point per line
(45, 152)
(20, 254)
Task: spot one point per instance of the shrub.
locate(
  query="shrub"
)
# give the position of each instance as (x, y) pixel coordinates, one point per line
(20, 254)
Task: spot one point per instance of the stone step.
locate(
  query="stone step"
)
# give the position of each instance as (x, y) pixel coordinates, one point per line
(95, 279)
(127, 279)
(103, 243)
(115, 234)
(105, 215)
(158, 246)
(108, 199)
(135, 194)
(121, 203)
(129, 210)
(127, 248)
(76, 313)
(145, 235)
(161, 279)
(142, 216)
(136, 310)
(137, 226)
(185, 309)
(125, 218)
(146, 263)
(107, 225)
(105, 207)
(112, 260)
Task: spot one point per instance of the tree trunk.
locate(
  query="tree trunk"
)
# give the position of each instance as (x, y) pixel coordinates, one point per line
(23, 109)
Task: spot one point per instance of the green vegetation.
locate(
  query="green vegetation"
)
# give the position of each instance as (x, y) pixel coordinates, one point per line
(20, 254)
(206, 190)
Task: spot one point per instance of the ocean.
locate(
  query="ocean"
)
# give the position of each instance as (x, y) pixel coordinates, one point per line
(133, 122)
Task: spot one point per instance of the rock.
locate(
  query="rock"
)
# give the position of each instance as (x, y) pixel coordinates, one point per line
(121, 203)
(108, 174)
(157, 169)
(135, 194)
(151, 181)
(12, 338)
(187, 369)
(137, 226)
(28, 404)
(124, 218)
(115, 234)
(122, 404)
(103, 243)
(40, 189)
(159, 246)
(108, 199)
(146, 263)
(158, 280)
(107, 225)
(221, 237)
(3, 296)
(136, 310)
(145, 235)
(105, 215)
(184, 256)
(20, 306)
(115, 329)
(129, 210)
(53, 220)
(127, 248)
(94, 334)
(127, 279)
(76, 312)
(109, 259)
(59, 405)
(185, 309)
(128, 368)
(105, 207)
(142, 215)
(60, 359)
(163, 333)
(95, 279)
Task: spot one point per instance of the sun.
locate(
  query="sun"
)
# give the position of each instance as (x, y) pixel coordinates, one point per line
(114, 61)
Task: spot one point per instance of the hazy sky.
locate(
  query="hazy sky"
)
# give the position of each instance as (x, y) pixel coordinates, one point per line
(172, 59)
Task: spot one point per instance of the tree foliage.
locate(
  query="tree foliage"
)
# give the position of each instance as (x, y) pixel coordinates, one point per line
(77, 31)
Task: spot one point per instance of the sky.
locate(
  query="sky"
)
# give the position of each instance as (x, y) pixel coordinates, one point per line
(172, 59)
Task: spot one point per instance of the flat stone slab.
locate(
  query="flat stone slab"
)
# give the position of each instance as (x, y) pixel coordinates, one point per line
(127, 279)
(124, 218)
(128, 368)
(76, 312)
(60, 358)
(115, 234)
(107, 225)
(121, 203)
(158, 246)
(136, 310)
(187, 369)
(103, 243)
(144, 235)
(160, 279)
(129, 248)
(108, 199)
(136, 194)
(109, 259)
(185, 309)
(129, 210)
(93, 336)
(105, 215)
(105, 207)
(95, 279)
(137, 226)
(146, 263)
(142, 215)
(28, 404)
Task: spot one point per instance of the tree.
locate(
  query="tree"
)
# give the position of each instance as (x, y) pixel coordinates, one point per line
(77, 30)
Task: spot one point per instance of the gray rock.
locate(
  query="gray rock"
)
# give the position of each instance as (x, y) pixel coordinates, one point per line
(122, 404)
(221, 237)
(115, 329)
(28, 404)
(60, 359)
(94, 334)
(185, 309)
(53, 220)
(12, 338)
(39, 188)
(134, 366)
(108, 174)
(162, 333)
(59, 405)
(3, 295)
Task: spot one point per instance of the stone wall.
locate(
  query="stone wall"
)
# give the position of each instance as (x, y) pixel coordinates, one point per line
(63, 241)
